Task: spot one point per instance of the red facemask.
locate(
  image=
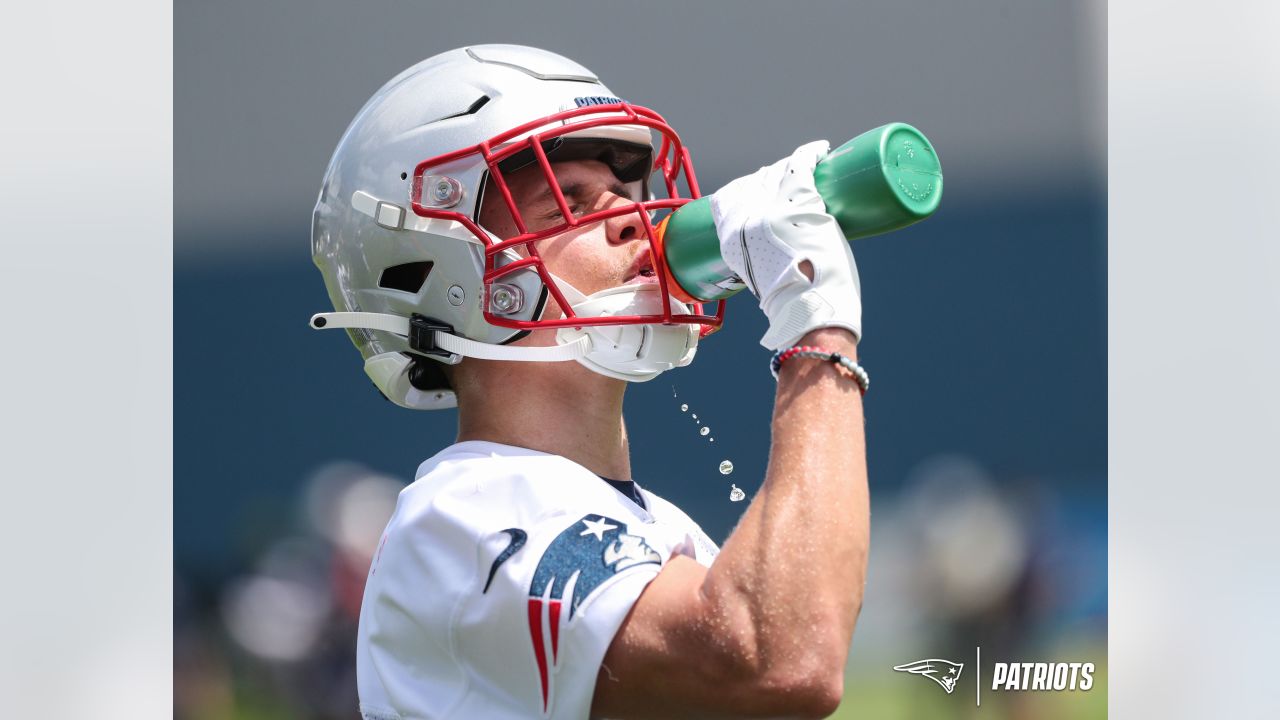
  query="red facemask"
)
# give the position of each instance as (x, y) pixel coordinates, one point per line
(560, 138)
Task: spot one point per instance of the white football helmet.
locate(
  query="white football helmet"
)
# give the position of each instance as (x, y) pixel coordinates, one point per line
(416, 281)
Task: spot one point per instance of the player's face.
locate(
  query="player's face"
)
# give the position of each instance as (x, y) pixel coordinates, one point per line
(590, 258)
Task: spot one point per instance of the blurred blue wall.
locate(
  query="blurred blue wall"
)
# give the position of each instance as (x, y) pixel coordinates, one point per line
(985, 335)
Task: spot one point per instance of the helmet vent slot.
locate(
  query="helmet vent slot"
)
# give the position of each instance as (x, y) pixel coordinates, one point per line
(475, 108)
(409, 277)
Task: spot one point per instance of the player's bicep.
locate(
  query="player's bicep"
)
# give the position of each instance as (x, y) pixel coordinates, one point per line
(673, 657)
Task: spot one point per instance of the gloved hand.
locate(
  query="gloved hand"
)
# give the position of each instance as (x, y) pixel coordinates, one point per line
(769, 223)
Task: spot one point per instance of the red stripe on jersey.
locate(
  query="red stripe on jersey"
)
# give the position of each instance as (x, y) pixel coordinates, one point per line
(555, 631)
(539, 650)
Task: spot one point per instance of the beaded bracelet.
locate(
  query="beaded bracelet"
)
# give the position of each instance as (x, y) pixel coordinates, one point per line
(859, 375)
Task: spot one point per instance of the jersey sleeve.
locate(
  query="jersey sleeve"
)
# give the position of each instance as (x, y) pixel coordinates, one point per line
(406, 664)
(552, 598)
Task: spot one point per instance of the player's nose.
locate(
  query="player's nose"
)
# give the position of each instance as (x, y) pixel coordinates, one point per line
(624, 228)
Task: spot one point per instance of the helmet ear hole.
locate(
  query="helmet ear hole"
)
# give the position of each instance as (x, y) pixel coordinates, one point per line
(427, 375)
(409, 277)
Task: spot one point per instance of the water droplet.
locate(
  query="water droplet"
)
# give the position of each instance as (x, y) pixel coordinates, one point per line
(726, 467)
(684, 408)
(704, 431)
(736, 494)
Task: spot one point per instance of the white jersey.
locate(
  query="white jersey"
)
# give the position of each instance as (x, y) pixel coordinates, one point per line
(500, 582)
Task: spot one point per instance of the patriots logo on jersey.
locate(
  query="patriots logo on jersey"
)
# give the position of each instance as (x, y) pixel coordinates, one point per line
(575, 564)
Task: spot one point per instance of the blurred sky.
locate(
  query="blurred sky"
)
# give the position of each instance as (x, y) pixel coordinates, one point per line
(1011, 93)
(985, 326)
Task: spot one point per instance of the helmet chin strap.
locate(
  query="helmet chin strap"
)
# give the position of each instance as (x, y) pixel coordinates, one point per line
(627, 352)
(434, 340)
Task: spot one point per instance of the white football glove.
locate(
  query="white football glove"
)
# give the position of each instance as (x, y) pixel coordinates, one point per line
(769, 223)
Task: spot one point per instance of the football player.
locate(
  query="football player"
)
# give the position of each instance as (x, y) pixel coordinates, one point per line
(486, 234)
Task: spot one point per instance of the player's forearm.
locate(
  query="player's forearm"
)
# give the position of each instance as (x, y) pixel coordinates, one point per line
(793, 570)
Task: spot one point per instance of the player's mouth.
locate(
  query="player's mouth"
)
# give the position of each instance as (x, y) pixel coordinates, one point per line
(642, 270)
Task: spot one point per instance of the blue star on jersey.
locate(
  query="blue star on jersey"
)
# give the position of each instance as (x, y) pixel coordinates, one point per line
(575, 564)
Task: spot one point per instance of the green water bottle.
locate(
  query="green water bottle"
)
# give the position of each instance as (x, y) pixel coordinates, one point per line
(884, 179)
